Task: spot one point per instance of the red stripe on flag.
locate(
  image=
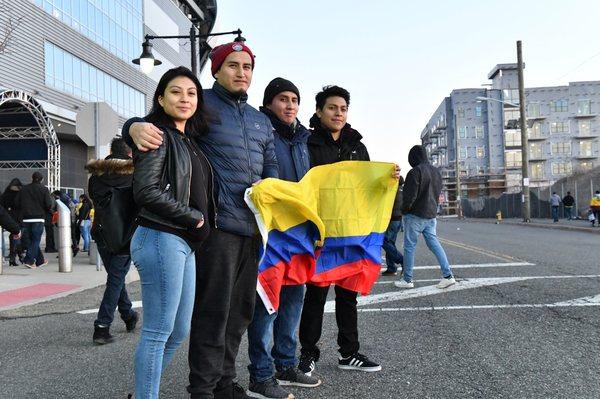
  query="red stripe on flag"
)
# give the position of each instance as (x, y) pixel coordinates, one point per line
(359, 276)
(298, 271)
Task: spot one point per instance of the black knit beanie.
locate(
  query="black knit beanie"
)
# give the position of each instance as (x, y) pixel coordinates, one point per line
(277, 86)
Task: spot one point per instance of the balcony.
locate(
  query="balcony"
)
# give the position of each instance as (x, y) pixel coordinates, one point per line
(536, 138)
(586, 156)
(582, 116)
(586, 136)
(536, 117)
(514, 166)
(538, 158)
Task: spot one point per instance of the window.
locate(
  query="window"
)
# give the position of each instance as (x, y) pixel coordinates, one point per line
(463, 153)
(478, 111)
(535, 131)
(585, 148)
(587, 165)
(512, 138)
(69, 74)
(462, 132)
(559, 127)
(511, 118)
(533, 110)
(584, 107)
(480, 152)
(561, 168)
(511, 96)
(114, 32)
(559, 106)
(461, 112)
(535, 151)
(537, 171)
(478, 132)
(561, 148)
(513, 159)
(585, 128)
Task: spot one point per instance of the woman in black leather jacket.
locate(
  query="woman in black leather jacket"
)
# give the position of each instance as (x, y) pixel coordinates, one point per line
(172, 186)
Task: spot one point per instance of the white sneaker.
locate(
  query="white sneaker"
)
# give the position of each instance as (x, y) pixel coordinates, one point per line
(404, 284)
(446, 282)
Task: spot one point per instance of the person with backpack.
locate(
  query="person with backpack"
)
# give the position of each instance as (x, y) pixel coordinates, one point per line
(110, 189)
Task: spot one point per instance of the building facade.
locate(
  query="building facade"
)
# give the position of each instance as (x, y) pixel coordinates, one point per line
(481, 127)
(64, 56)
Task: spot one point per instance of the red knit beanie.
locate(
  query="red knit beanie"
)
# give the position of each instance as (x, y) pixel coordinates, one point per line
(219, 53)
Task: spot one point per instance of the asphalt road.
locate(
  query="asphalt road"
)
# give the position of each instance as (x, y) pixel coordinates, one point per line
(523, 322)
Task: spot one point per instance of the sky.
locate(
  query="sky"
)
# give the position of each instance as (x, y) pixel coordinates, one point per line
(400, 59)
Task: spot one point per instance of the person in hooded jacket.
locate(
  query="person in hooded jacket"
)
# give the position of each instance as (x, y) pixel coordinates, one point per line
(595, 207)
(115, 171)
(421, 193)
(280, 103)
(8, 202)
(332, 140)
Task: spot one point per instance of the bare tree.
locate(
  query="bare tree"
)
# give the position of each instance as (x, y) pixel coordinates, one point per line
(7, 31)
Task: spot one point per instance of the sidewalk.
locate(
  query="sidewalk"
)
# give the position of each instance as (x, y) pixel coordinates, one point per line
(562, 224)
(20, 286)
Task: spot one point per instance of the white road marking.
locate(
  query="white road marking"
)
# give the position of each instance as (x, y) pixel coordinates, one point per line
(474, 265)
(433, 290)
(134, 305)
(579, 302)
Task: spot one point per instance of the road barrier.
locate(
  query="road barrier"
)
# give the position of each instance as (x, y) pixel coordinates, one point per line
(65, 251)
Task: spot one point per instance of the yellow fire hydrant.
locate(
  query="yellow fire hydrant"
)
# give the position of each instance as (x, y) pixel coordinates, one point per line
(498, 217)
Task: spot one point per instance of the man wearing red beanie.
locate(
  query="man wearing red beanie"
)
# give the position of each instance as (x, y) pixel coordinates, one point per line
(240, 148)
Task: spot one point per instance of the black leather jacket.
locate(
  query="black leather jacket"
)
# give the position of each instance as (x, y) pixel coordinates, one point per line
(161, 183)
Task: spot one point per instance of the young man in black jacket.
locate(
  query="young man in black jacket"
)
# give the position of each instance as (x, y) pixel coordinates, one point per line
(8, 223)
(35, 202)
(115, 171)
(568, 202)
(421, 192)
(332, 140)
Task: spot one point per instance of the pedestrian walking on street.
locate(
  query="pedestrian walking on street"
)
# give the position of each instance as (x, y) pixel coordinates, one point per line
(595, 208)
(8, 202)
(35, 202)
(85, 210)
(281, 102)
(110, 177)
(393, 256)
(421, 194)
(333, 140)
(555, 203)
(240, 147)
(172, 185)
(568, 203)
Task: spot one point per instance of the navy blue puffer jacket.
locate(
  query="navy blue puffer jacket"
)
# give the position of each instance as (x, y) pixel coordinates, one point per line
(239, 145)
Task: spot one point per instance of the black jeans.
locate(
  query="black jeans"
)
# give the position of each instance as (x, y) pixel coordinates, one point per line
(226, 269)
(311, 323)
(115, 293)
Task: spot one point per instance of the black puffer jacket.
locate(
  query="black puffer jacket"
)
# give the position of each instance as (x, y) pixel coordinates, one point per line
(8, 199)
(161, 183)
(422, 187)
(324, 150)
(7, 222)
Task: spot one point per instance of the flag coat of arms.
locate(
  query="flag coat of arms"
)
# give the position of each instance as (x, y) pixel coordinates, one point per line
(326, 229)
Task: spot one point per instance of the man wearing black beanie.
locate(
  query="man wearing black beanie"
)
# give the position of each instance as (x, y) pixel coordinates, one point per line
(280, 103)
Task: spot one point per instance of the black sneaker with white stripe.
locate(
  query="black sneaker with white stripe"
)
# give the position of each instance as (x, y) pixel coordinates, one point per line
(358, 362)
(307, 363)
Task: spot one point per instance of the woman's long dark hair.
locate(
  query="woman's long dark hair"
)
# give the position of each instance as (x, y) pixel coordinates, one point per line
(196, 125)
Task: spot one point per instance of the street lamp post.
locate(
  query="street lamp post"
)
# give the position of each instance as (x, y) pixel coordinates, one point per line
(524, 138)
(457, 168)
(146, 60)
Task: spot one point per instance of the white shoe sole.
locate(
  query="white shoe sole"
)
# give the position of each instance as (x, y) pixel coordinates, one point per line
(285, 383)
(445, 286)
(261, 396)
(405, 287)
(365, 369)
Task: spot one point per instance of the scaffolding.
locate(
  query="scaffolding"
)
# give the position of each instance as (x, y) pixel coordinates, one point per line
(23, 118)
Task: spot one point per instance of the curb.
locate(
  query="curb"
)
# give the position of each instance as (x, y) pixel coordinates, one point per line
(539, 225)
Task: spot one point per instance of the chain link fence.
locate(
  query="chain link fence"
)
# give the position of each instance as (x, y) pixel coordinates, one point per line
(582, 187)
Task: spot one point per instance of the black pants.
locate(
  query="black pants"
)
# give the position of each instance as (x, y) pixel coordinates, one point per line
(50, 245)
(226, 269)
(311, 323)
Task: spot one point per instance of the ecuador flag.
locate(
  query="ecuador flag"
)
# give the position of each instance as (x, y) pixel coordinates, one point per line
(326, 229)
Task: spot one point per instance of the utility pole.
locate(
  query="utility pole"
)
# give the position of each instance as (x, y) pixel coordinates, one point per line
(524, 139)
(457, 167)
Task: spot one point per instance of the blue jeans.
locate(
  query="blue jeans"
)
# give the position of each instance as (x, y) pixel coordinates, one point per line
(115, 293)
(167, 269)
(280, 327)
(413, 227)
(392, 255)
(555, 213)
(33, 235)
(568, 212)
(85, 234)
